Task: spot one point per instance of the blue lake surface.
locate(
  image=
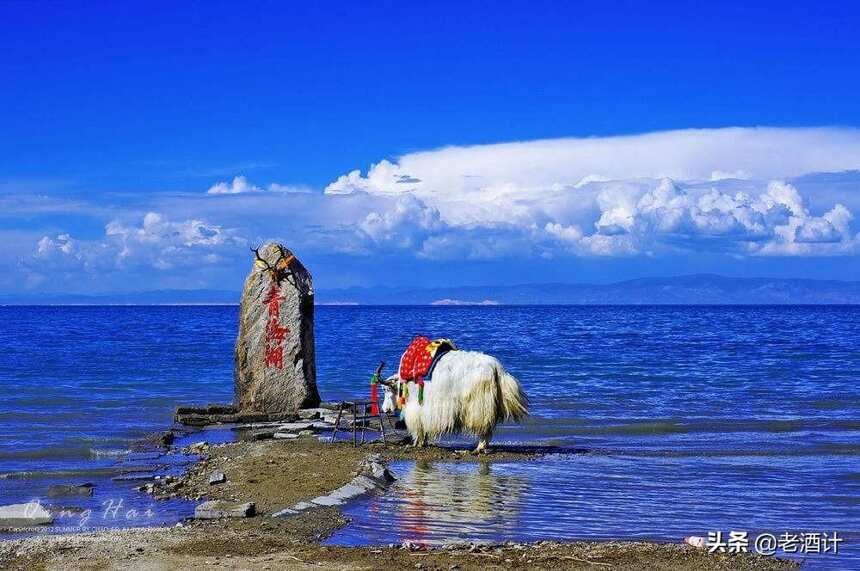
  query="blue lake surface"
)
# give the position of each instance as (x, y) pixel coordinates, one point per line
(690, 419)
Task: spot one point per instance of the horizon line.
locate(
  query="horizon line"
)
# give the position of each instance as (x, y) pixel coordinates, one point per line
(448, 305)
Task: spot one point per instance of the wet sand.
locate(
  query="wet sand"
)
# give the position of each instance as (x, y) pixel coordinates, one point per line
(276, 474)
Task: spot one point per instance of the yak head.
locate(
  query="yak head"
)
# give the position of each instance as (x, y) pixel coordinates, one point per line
(390, 388)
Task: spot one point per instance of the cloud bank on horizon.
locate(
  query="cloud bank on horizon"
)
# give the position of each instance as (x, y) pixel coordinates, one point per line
(689, 154)
(740, 192)
(657, 192)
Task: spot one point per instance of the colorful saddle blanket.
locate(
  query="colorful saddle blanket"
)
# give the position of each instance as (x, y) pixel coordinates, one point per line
(420, 357)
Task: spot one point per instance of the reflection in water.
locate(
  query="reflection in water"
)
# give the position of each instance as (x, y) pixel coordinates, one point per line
(434, 502)
(604, 496)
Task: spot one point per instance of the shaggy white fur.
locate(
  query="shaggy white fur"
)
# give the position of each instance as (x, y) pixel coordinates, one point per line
(469, 392)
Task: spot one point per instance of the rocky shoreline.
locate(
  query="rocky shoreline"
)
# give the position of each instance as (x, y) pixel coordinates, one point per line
(269, 502)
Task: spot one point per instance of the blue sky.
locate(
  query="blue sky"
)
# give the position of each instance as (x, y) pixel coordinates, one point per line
(123, 129)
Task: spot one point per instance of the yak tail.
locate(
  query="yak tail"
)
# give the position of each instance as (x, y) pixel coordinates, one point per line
(515, 404)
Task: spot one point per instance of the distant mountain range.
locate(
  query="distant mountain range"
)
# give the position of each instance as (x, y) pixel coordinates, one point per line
(158, 297)
(702, 289)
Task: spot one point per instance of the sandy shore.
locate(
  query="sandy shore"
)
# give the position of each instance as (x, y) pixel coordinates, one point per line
(276, 474)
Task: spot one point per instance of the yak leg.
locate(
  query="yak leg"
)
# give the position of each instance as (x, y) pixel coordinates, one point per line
(483, 443)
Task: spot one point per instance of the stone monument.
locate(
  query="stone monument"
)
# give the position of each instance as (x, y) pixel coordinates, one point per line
(275, 371)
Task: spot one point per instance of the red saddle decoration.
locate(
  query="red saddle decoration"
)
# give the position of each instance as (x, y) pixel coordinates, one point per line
(416, 360)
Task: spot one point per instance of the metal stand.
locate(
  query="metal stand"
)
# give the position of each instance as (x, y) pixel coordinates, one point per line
(361, 420)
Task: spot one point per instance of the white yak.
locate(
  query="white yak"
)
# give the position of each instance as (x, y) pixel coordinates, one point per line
(468, 392)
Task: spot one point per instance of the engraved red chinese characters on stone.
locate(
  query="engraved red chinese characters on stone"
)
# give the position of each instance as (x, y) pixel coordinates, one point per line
(275, 333)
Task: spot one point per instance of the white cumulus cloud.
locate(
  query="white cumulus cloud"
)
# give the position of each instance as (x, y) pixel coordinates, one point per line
(720, 189)
(692, 154)
(240, 185)
(156, 242)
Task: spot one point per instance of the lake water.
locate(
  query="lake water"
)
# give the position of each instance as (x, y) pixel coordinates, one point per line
(685, 419)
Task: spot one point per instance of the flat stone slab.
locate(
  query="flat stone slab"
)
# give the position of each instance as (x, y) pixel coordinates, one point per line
(255, 425)
(222, 414)
(261, 434)
(285, 512)
(286, 436)
(373, 475)
(298, 508)
(311, 413)
(327, 501)
(23, 515)
(217, 509)
(210, 409)
(366, 483)
(67, 490)
(375, 469)
(348, 491)
(207, 419)
(294, 426)
(217, 478)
